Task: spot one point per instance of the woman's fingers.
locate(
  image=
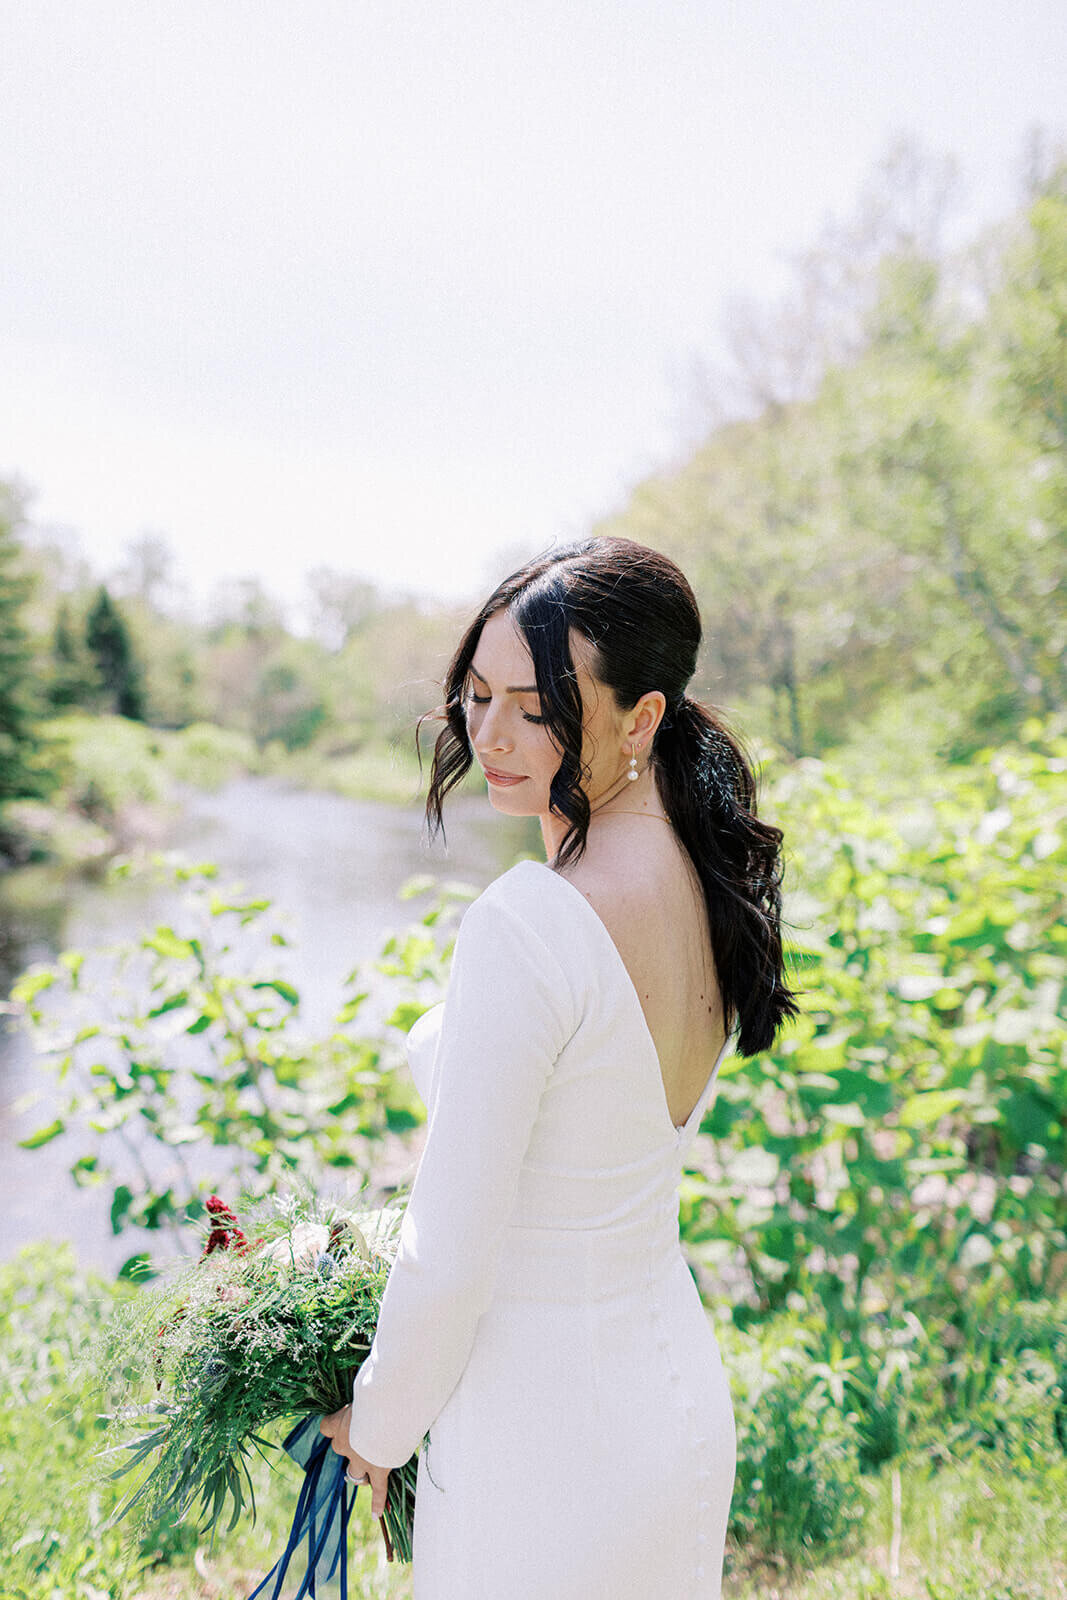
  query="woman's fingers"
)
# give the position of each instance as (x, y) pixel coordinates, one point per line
(335, 1427)
(379, 1489)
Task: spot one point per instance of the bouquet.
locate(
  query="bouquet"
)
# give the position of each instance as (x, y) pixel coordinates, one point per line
(260, 1329)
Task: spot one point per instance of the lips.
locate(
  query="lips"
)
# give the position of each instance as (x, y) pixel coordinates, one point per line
(505, 777)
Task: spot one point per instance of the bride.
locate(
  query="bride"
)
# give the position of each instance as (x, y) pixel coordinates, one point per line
(541, 1336)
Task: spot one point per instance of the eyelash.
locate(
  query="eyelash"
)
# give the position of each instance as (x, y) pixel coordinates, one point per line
(486, 699)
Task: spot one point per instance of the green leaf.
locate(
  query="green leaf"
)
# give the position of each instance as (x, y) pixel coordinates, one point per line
(165, 942)
(406, 1014)
(419, 884)
(351, 1007)
(73, 960)
(1030, 1117)
(121, 1202)
(923, 1109)
(43, 1136)
(286, 990)
(172, 1004)
(137, 1269)
(30, 985)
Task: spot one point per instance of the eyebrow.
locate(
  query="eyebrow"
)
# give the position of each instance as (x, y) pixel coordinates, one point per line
(512, 688)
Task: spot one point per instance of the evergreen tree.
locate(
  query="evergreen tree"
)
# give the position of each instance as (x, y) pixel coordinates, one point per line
(111, 648)
(72, 680)
(19, 776)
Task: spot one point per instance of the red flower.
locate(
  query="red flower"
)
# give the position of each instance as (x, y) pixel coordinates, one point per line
(225, 1234)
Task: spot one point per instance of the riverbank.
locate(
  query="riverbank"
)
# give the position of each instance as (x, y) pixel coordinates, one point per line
(122, 785)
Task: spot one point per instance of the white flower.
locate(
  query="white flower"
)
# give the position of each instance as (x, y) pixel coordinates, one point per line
(353, 1238)
(378, 1230)
(301, 1248)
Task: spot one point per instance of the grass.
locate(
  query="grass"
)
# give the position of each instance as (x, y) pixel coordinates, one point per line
(971, 1529)
(968, 1531)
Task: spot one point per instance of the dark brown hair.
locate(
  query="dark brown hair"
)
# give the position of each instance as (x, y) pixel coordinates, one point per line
(637, 610)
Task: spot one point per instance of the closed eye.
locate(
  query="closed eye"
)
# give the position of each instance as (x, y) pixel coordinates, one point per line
(483, 700)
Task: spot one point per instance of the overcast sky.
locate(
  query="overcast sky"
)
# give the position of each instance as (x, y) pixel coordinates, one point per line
(397, 285)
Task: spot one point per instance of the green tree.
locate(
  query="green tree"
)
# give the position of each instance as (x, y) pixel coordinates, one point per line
(72, 679)
(1028, 335)
(108, 640)
(931, 473)
(19, 775)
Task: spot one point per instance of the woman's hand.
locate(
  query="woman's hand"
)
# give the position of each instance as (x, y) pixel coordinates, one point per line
(336, 1427)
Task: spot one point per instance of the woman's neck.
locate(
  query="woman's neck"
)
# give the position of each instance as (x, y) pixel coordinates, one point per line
(623, 799)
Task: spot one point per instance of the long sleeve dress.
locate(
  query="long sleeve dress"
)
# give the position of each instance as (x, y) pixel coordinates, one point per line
(540, 1322)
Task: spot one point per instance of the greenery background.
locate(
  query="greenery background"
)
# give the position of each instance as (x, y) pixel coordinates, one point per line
(876, 1210)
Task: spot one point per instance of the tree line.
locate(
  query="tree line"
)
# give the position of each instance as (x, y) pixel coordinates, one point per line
(873, 520)
(888, 521)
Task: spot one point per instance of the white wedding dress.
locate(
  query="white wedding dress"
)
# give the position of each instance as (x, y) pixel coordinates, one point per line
(540, 1320)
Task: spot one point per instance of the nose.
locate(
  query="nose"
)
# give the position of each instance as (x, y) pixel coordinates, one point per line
(488, 737)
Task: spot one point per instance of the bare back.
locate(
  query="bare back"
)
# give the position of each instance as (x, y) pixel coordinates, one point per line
(638, 878)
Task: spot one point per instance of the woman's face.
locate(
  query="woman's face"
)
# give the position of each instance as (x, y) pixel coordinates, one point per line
(509, 741)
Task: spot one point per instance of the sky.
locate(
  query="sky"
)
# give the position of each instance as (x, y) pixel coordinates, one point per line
(407, 288)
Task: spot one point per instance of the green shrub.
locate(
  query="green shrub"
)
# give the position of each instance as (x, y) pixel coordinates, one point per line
(909, 1128)
(206, 756)
(105, 762)
(798, 1486)
(200, 1062)
(53, 1510)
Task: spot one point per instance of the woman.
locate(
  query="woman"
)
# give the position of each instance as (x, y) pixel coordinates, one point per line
(540, 1322)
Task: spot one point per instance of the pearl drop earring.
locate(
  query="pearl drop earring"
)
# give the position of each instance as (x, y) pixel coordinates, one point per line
(633, 773)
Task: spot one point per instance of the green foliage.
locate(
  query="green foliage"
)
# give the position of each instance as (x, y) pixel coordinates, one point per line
(104, 762)
(287, 705)
(910, 1126)
(72, 679)
(1030, 316)
(107, 637)
(206, 756)
(972, 1527)
(20, 770)
(895, 524)
(49, 1426)
(798, 1484)
(1004, 1379)
(894, 1169)
(197, 1077)
(103, 768)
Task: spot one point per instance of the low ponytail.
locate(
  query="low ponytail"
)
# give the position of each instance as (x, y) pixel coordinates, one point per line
(709, 793)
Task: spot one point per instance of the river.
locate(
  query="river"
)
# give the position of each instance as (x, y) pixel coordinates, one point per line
(332, 866)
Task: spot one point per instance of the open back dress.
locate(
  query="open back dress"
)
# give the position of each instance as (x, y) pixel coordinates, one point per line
(540, 1322)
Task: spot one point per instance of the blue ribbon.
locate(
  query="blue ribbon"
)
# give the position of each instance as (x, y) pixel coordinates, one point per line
(322, 1513)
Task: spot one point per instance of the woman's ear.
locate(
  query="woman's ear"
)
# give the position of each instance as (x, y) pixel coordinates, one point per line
(646, 716)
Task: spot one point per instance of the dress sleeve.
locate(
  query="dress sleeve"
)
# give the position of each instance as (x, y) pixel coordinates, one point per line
(508, 1013)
